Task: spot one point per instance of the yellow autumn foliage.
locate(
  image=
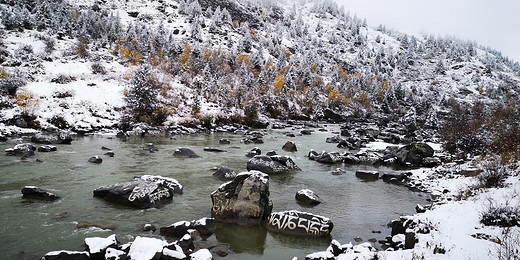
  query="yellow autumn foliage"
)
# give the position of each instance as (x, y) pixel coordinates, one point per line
(278, 84)
(27, 101)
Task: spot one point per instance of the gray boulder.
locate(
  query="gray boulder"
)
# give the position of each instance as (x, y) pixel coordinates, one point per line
(150, 147)
(146, 191)
(53, 138)
(329, 158)
(431, 161)
(255, 151)
(47, 148)
(224, 141)
(272, 164)
(184, 152)
(367, 175)
(338, 171)
(290, 146)
(414, 153)
(205, 227)
(24, 150)
(213, 150)
(67, 255)
(95, 159)
(224, 173)
(307, 197)
(243, 201)
(299, 224)
(34, 192)
(395, 177)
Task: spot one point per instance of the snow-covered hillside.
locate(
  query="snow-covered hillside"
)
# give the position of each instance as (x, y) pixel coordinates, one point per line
(291, 60)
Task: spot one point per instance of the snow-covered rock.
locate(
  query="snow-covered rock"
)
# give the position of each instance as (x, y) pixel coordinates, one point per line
(299, 224)
(202, 254)
(307, 197)
(145, 248)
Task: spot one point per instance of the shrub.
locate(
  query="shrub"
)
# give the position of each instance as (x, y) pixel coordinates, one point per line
(27, 102)
(58, 121)
(9, 84)
(502, 215)
(98, 68)
(509, 246)
(62, 93)
(494, 173)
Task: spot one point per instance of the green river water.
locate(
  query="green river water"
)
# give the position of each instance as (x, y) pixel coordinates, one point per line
(30, 228)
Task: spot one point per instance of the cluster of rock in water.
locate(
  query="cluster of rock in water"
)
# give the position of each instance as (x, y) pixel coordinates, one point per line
(244, 200)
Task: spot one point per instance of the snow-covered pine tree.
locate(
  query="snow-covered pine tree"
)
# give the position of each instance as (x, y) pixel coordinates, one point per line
(142, 96)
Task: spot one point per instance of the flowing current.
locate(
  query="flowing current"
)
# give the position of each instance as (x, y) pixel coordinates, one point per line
(31, 228)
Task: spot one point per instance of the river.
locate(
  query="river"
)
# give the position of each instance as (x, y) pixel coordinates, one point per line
(30, 228)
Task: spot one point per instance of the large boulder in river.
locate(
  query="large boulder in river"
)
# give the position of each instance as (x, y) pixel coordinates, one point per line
(52, 138)
(326, 157)
(24, 150)
(34, 192)
(367, 175)
(272, 164)
(299, 223)
(146, 191)
(414, 153)
(243, 201)
(184, 152)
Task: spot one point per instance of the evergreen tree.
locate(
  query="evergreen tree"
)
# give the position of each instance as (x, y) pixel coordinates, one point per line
(142, 97)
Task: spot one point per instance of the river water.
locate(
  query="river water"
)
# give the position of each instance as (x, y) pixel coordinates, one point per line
(30, 228)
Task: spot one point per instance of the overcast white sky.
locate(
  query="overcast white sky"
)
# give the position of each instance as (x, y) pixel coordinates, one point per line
(494, 23)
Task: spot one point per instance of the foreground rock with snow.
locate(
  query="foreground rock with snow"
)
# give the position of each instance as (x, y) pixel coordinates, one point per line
(142, 192)
(244, 200)
(141, 248)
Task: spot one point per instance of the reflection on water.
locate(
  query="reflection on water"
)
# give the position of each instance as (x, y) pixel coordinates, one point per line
(242, 239)
(29, 229)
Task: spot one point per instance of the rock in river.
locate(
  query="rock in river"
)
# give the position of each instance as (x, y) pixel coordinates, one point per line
(184, 152)
(95, 159)
(146, 191)
(205, 226)
(299, 223)
(367, 175)
(66, 255)
(52, 138)
(253, 152)
(290, 146)
(307, 197)
(224, 173)
(47, 148)
(150, 147)
(243, 201)
(24, 150)
(37, 193)
(272, 164)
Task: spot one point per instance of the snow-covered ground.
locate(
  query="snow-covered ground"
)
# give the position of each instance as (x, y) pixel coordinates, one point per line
(453, 220)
